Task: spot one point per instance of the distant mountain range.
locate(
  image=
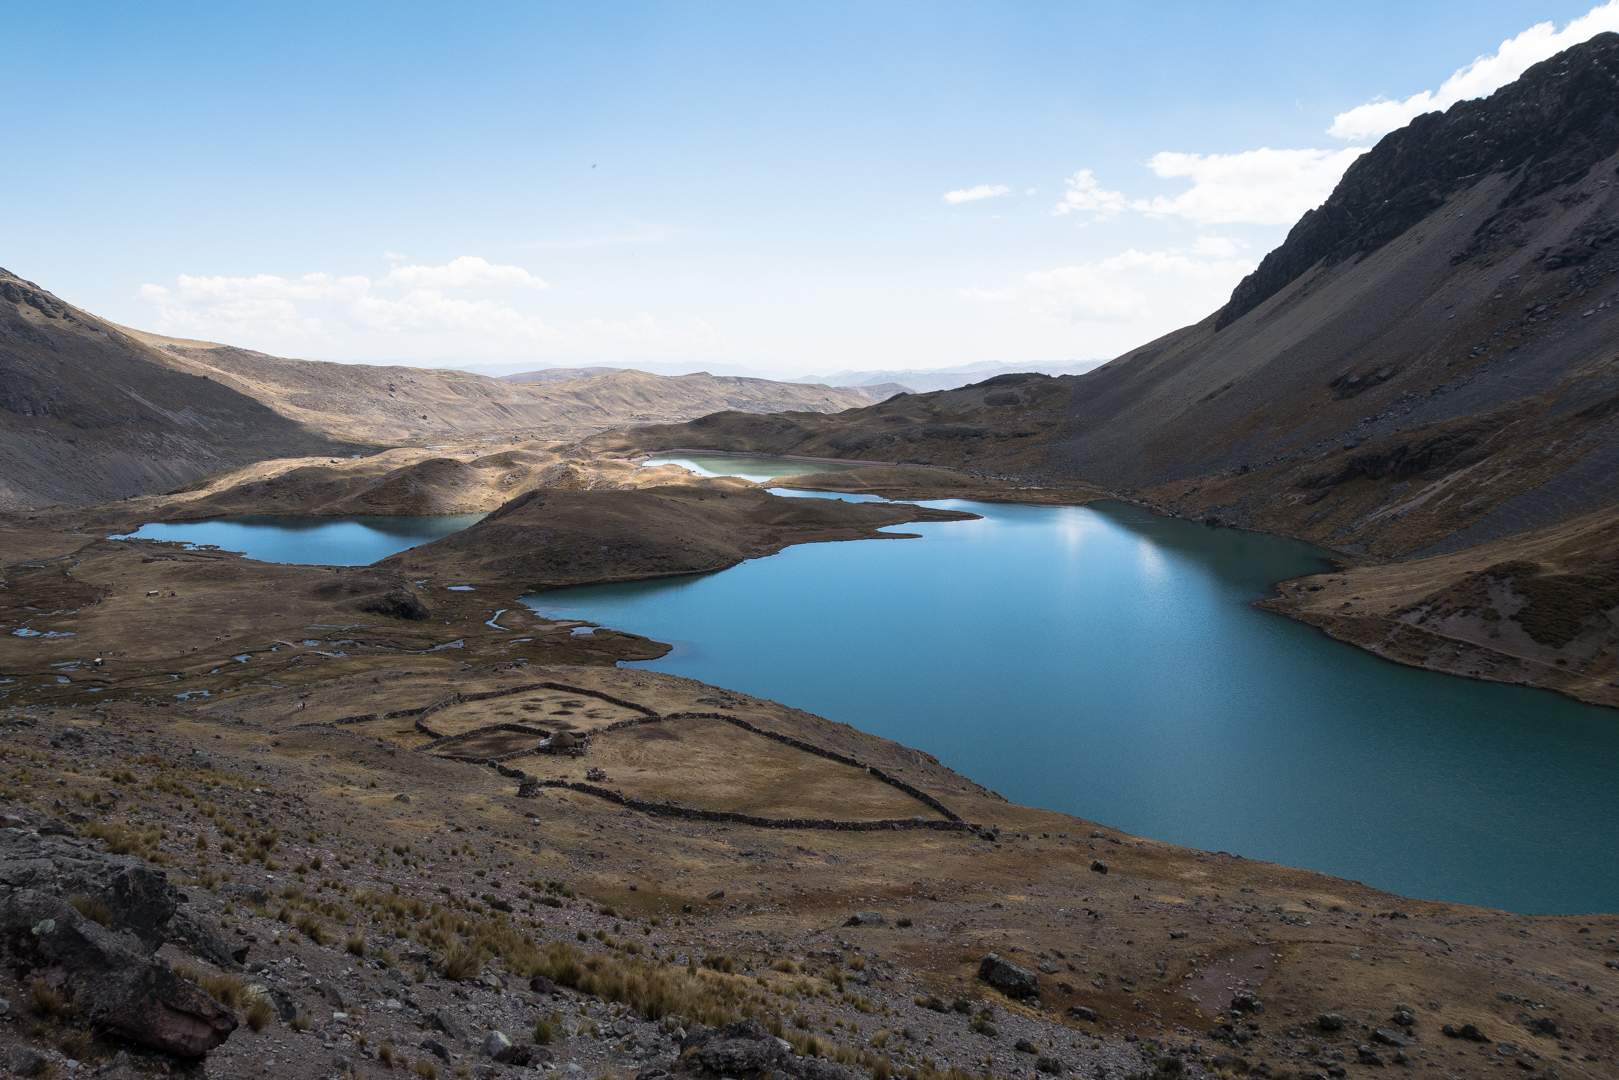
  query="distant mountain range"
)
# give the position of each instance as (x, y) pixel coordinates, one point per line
(878, 385)
(924, 380)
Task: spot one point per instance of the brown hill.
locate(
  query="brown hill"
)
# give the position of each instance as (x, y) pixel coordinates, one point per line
(90, 413)
(551, 538)
(396, 404)
(556, 374)
(1004, 423)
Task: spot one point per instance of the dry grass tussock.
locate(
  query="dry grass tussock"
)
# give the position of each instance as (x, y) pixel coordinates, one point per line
(91, 907)
(260, 1013)
(650, 988)
(228, 990)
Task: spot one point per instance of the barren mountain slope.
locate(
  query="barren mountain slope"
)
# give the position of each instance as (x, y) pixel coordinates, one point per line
(91, 411)
(396, 404)
(1427, 362)
(89, 414)
(1430, 362)
(1001, 424)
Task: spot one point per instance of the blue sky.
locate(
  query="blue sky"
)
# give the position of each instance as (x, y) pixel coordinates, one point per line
(794, 188)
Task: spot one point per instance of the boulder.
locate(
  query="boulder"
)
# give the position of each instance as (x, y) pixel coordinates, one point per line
(27, 819)
(125, 990)
(1080, 1012)
(184, 930)
(1390, 1037)
(25, 1060)
(1008, 978)
(531, 1056)
(497, 1047)
(106, 962)
(865, 918)
(742, 1047)
(445, 1021)
(138, 896)
(1099, 866)
(244, 891)
(1244, 1002)
(286, 1006)
(1330, 1022)
(539, 984)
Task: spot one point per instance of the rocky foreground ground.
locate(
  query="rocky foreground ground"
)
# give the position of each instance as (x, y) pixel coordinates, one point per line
(287, 881)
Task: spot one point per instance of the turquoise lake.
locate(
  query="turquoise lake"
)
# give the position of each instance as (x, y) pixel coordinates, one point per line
(1106, 662)
(287, 538)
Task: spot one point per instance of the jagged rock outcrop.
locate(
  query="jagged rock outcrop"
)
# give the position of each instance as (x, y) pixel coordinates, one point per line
(1547, 129)
(90, 922)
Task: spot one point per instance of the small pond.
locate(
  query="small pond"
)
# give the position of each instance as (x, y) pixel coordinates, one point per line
(321, 541)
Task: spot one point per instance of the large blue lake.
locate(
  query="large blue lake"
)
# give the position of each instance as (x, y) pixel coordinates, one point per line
(1105, 662)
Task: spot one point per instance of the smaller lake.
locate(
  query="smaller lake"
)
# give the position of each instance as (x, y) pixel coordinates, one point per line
(319, 541)
(757, 469)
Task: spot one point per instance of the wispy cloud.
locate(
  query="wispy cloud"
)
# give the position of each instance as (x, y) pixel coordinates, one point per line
(1123, 288)
(319, 306)
(1086, 196)
(1482, 77)
(467, 272)
(430, 306)
(973, 194)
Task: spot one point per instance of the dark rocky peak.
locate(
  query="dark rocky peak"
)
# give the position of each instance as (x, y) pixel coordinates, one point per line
(1547, 129)
(22, 293)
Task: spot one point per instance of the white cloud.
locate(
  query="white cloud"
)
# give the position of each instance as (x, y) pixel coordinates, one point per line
(973, 194)
(1086, 196)
(1255, 187)
(1258, 187)
(1125, 288)
(467, 272)
(394, 256)
(320, 306)
(413, 311)
(1482, 77)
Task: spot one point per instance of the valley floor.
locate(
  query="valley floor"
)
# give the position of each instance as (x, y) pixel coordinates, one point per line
(710, 845)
